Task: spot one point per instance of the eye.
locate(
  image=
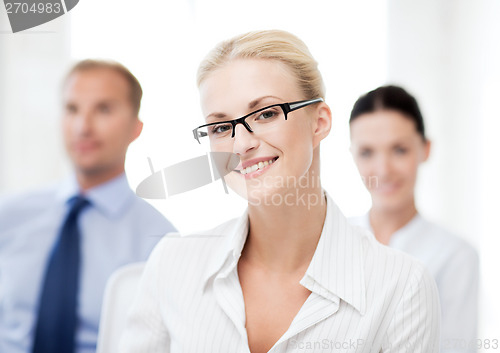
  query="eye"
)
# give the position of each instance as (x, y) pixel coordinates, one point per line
(267, 115)
(365, 153)
(400, 150)
(220, 129)
(71, 109)
(104, 108)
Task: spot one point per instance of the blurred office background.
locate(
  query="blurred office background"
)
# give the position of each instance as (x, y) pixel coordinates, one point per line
(445, 52)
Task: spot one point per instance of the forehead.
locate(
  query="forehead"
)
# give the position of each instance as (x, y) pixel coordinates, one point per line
(382, 127)
(231, 87)
(96, 83)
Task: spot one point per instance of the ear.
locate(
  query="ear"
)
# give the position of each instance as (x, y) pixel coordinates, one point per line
(137, 129)
(322, 123)
(427, 150)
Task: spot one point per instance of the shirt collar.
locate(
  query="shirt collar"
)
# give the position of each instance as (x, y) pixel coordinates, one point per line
(406, 231)
(337, 266)
(111, 197)
(336, 269)
(364, 222)
(235, 234)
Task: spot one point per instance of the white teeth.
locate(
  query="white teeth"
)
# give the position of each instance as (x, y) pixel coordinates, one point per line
(256, 166)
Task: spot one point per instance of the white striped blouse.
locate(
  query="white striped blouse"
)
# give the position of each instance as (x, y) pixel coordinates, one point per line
(365, 297)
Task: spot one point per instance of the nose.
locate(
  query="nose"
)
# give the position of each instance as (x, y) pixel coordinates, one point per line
(244, 141)
(384, 166)
(83, 123)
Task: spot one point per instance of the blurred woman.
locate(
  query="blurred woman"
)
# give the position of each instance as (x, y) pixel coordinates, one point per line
(290, 274)
(388, 143)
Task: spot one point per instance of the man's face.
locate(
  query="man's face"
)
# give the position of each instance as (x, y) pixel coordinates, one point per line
(98, 121)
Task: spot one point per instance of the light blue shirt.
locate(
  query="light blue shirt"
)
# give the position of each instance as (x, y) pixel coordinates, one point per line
(116, 229)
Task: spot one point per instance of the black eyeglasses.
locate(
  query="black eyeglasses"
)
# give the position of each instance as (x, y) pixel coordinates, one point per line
(255, 122)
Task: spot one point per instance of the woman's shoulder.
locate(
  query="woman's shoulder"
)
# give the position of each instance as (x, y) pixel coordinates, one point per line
(205, 239)
(445, 243)
(442, 233)
(389, 279)
(390, 268)
(184, 262)
(196, 251)
(377, 252)
(450, 255)
(379, 263)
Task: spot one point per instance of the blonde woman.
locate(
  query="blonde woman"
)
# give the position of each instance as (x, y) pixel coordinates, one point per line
(290, 274)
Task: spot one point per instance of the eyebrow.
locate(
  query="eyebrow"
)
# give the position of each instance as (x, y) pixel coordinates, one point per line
(255, 102)
(110, 102)
(251, 105)
(98, 101)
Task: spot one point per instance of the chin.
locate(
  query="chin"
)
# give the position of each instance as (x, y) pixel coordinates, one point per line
(90, 169)
(390, 204)
(262, 196)
(257, 191)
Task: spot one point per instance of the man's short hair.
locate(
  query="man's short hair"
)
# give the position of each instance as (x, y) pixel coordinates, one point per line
(134, 85)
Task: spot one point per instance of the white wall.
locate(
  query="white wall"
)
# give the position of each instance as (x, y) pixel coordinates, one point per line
(31, 66)
(488, 187)
(434, 52)
(447, 53)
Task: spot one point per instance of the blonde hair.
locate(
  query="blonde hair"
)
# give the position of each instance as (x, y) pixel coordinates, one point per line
(135, 89)
(274, 45)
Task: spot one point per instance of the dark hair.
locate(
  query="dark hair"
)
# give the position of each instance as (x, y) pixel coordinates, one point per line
(390, 98)
(135, 94)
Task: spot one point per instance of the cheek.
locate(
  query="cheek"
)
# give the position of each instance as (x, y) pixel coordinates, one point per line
(367, 173)
(297, 147)
(113, 128)
(66, 128)
(408, 167)
(411, 172)
(365, 166)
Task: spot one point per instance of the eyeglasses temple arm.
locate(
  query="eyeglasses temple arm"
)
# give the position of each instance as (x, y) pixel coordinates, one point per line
(296, 105)
(197, 134)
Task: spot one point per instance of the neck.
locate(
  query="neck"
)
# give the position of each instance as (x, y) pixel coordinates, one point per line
(385, 222)
(87, 180)
(283, 238)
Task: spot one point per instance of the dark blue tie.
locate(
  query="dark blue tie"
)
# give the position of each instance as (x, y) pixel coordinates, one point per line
(57, 318)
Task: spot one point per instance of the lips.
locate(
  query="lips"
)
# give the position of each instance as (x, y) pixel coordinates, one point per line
(255, 164)
(85, 146)
(387, 188)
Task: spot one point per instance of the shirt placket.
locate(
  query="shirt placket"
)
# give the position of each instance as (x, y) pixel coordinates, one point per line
(229, 296)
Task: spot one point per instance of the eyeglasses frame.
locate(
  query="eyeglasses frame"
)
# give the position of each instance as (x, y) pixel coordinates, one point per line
(286, 107)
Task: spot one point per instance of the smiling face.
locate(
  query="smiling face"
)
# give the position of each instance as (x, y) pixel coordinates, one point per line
(387, 150)
(242, 86)
(98, 121)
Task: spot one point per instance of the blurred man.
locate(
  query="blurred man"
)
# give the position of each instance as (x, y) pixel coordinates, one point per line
(59, 245)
